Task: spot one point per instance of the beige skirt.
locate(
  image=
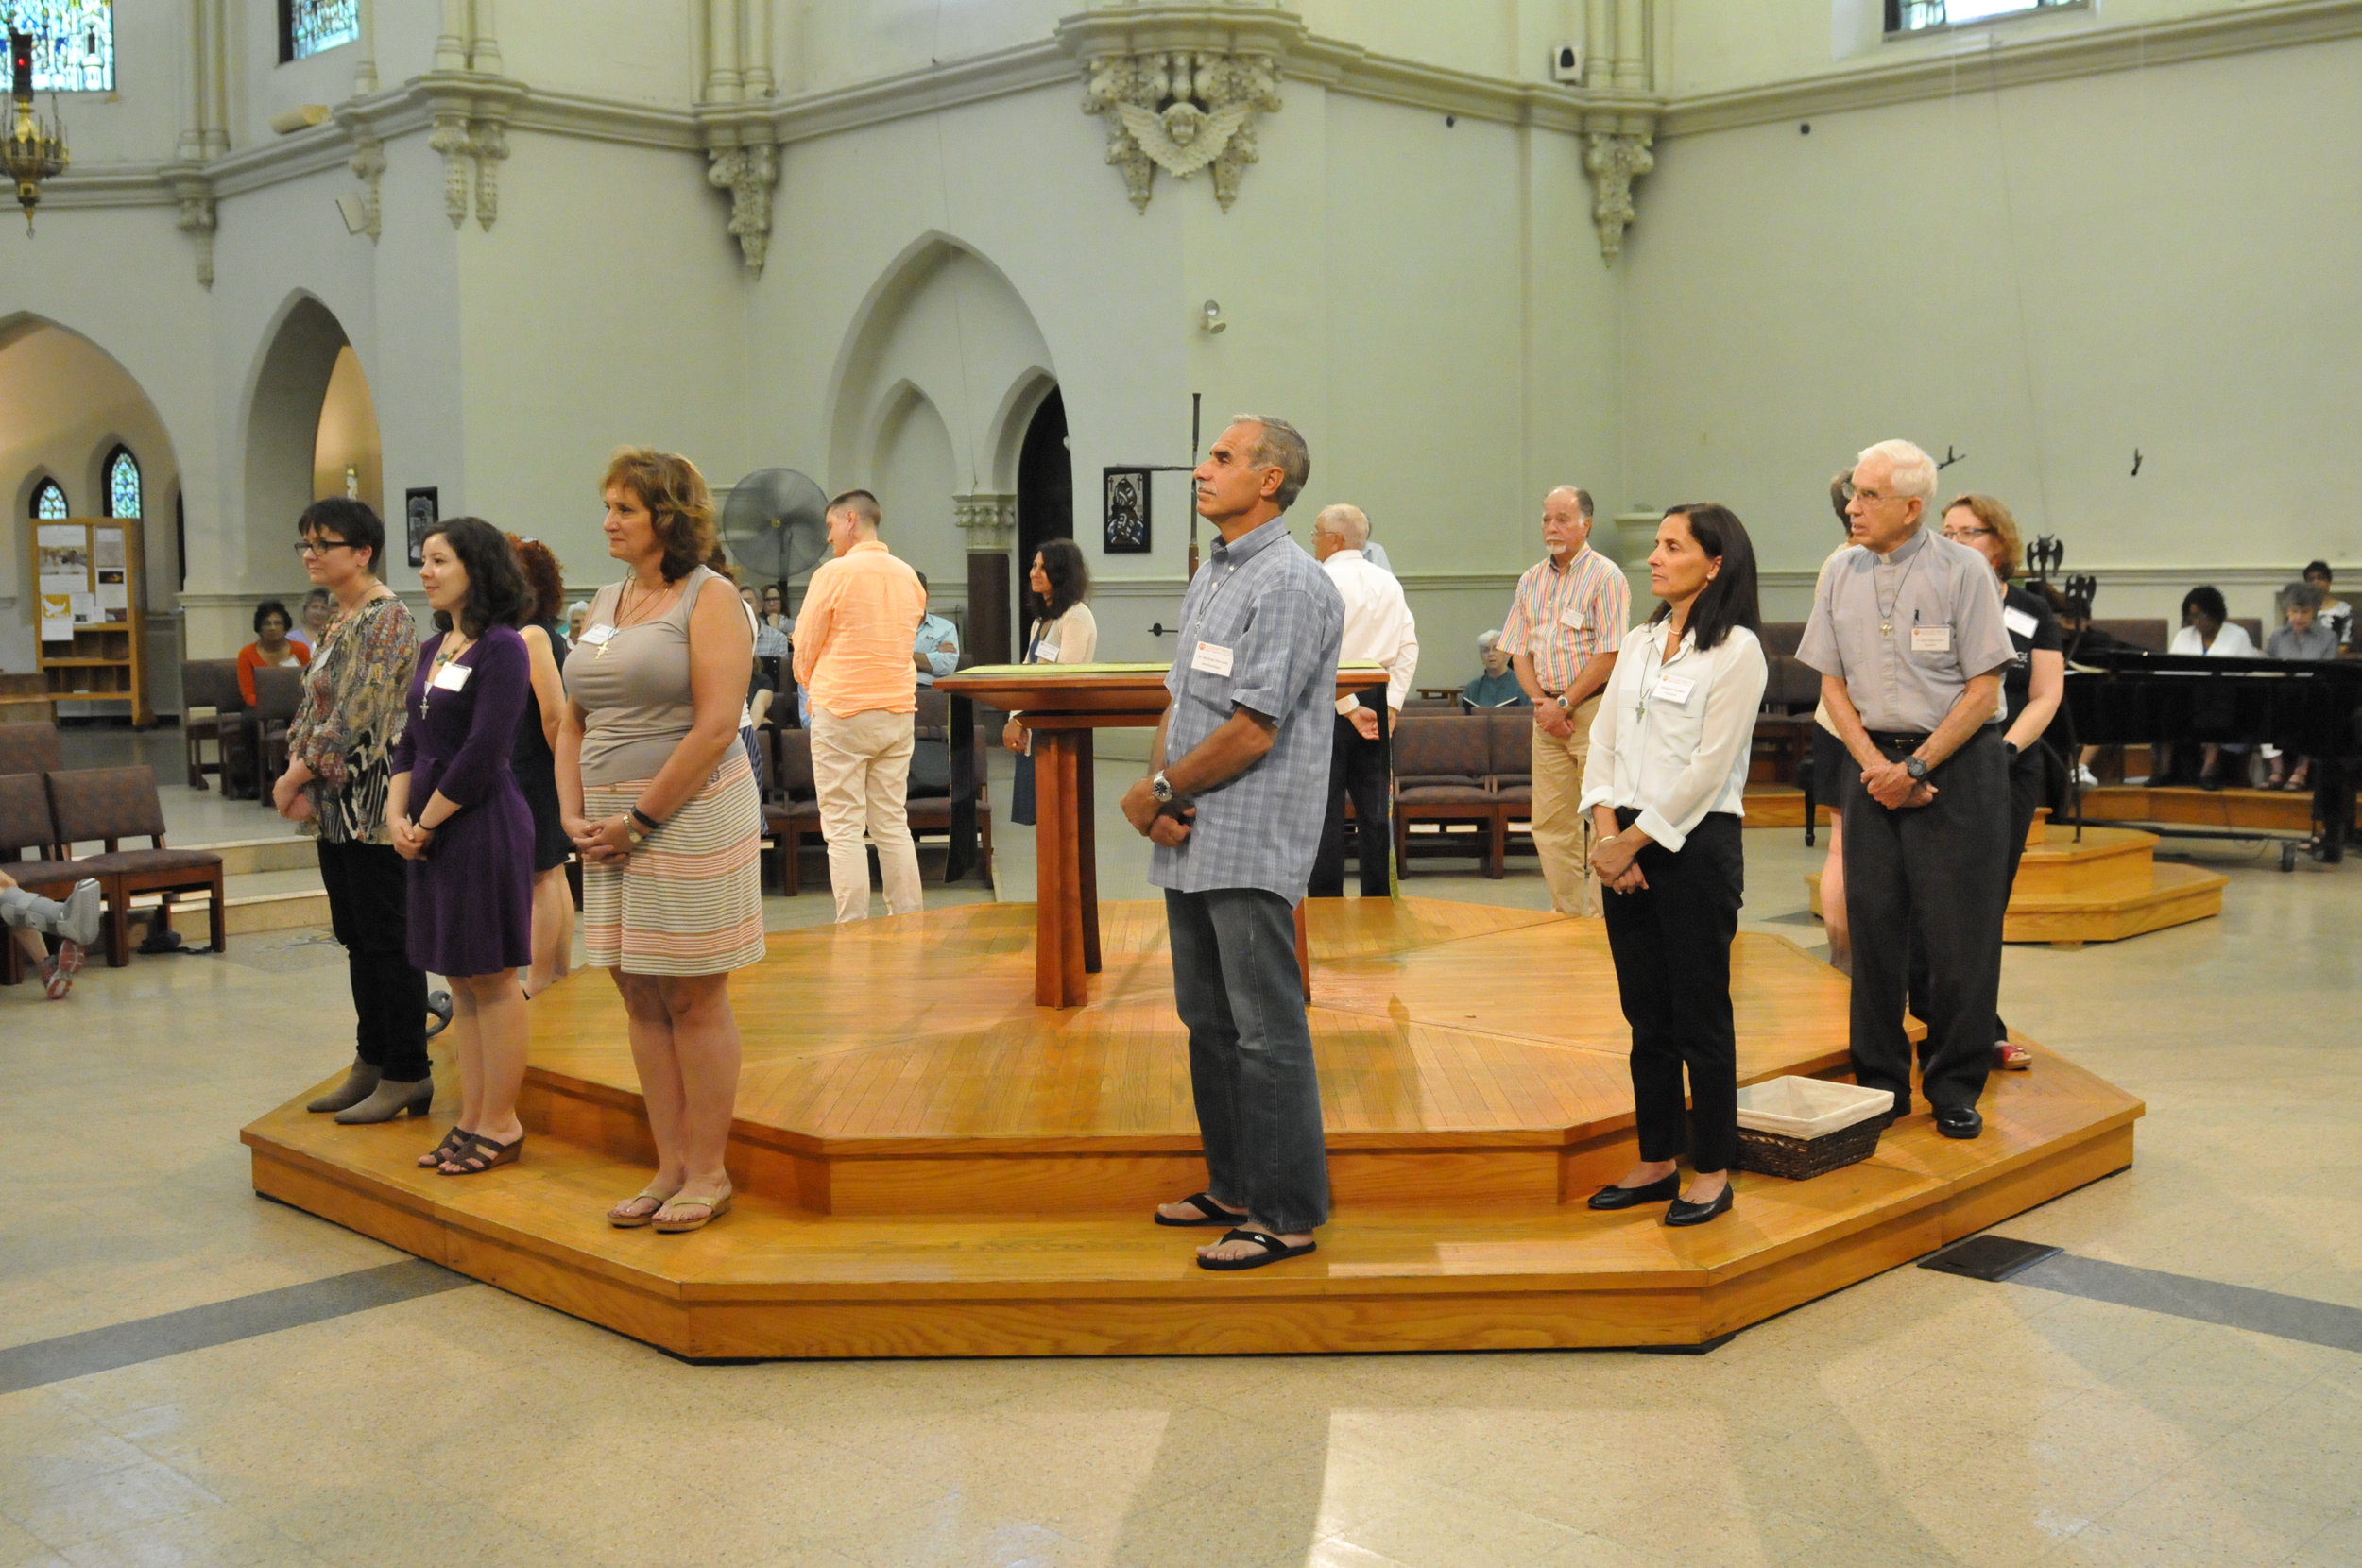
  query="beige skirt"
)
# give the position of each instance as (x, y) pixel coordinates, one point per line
(689, 900)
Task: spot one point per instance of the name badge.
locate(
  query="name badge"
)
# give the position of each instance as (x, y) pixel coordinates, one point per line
(1931, 639)
(1212, 658)
(1676, 689)
(1572, 620)
(594, 636)
(1047, 653)
(2018, 622)
(451, 677)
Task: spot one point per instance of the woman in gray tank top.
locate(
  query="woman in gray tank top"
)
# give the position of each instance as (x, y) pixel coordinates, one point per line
(657, 796)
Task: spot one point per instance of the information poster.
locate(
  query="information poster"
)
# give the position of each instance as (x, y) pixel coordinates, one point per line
(115, 594)
(57, 618)
(107, 548)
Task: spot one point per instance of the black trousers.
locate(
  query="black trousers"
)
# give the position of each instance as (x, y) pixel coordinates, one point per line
(1937, 877)
(1359, 768)
(1672, 942)
(368, 908)
(2030, 785)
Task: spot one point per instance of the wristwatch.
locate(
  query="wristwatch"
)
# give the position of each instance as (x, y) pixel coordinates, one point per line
(1915, 767)
(1563, 705)
(1159, 787)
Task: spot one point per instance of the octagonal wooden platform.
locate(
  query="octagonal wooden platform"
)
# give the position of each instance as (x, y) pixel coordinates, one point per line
(928, 1164)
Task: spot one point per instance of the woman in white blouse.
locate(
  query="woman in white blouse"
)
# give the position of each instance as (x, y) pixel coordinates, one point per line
(1664, 786)
(2207, 630)
(1065, 634)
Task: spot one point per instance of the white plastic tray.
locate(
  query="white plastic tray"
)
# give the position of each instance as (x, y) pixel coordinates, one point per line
(1808, 1107)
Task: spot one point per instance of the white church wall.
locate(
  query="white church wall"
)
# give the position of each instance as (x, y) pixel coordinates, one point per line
(2047, 279)
(626, 49)
(140, 120)
(825, 44)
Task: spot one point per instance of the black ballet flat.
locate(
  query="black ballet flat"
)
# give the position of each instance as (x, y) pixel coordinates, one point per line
(1625, 1197)
(1686, 1213)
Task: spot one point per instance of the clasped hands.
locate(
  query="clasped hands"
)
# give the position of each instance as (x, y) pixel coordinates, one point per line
(1155, 820)
(1616, 858)
(1553, 720)
(411, 838)
(1892, 786)
(606, 842)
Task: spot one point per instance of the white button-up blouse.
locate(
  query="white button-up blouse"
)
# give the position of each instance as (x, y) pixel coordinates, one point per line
(1672, 736)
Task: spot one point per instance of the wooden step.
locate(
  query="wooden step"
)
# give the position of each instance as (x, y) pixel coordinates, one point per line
(890, 1063)
(2177, 895)
(2238, 810)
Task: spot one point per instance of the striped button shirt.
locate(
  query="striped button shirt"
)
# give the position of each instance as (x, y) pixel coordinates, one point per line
(1565, 616)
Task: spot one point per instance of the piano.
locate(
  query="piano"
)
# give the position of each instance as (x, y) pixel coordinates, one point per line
(2122, 697)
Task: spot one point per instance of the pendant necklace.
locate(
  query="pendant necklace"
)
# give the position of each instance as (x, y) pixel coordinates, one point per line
(1886, 611)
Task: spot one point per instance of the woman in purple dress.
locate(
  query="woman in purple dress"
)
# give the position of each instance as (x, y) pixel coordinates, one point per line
(459, 819)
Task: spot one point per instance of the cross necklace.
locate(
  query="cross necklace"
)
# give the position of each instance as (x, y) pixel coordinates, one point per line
(1886, 611)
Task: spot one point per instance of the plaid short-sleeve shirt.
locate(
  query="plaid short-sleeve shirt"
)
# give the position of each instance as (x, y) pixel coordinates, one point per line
(1263, 611)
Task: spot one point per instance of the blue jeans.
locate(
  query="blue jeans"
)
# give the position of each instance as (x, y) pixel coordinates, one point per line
(1236, 983)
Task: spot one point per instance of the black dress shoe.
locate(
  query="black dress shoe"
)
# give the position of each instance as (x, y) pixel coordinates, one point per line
(1686, 1213)
(1959, 1121)
(1625, 1197)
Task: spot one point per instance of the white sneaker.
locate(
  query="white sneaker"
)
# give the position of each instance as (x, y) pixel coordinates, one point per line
(2085, 777)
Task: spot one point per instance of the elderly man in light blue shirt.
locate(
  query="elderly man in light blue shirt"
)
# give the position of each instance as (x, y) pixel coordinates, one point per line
(936, 649)
(1237, 790)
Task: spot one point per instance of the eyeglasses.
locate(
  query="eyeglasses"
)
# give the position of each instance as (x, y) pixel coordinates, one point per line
(1865, 495)
(321, 547)
(1962, 535)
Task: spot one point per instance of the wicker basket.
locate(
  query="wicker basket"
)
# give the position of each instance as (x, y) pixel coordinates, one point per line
(1846, 1123)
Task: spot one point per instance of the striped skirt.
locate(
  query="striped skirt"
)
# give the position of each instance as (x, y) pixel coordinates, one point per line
(688, 901)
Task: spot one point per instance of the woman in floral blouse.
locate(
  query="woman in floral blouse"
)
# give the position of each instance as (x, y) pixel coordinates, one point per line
(338, 748)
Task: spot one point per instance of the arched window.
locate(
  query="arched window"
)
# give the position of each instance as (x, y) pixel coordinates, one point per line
(123, 483)
(73, 43)
(308, 26)
(49, 500)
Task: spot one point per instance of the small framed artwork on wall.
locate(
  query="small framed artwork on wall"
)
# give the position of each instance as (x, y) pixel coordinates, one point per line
(421, 509)
(1126, 526)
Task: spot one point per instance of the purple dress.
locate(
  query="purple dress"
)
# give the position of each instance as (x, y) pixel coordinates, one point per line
(472, 897)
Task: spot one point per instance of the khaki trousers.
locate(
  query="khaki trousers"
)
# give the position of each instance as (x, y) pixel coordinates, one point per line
(1562, 833)
(861, 770)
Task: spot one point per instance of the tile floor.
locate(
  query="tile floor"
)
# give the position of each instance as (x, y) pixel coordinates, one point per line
(1915, 1419)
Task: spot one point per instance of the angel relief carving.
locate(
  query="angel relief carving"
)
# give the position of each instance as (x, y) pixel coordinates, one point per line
(1181, 112)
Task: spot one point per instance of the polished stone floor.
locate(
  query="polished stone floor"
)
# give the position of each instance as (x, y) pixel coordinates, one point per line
(1915, 1419)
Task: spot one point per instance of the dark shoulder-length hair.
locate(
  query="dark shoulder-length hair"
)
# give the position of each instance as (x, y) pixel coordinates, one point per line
(497, 595)
(1070, 577)
(268, 608)
(679, 505)
(2207, 600)
(1730, 600)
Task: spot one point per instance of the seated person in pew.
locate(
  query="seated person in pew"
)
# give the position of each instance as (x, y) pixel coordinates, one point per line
(271, 646)
(2207, 630)
(2302, 635)
(2335, 613)
(73, 922)
(1496, 686)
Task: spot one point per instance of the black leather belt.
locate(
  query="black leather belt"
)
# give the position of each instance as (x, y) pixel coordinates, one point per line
(1889, 739)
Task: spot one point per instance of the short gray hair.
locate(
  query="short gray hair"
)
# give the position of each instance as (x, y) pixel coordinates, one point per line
(1486, 640)
(2301, 596)
(1348, 522)
(1582, 497)
(1279, 445)
(1913, 472)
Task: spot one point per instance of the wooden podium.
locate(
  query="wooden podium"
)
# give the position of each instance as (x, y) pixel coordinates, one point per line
(1062, 703)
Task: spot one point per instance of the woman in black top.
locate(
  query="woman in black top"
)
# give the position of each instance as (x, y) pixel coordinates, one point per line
(534, 763)
(2031, 687)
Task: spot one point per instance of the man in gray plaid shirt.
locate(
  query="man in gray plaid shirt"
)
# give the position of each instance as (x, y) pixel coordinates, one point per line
(1236, 820)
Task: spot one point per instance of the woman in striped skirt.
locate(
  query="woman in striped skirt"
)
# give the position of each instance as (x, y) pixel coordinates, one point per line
(657, 796)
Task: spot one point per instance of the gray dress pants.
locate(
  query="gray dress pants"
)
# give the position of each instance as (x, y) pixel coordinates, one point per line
(1236, 983)
(1937, 873)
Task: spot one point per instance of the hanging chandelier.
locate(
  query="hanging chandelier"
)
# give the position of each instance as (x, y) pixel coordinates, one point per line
(32, 153)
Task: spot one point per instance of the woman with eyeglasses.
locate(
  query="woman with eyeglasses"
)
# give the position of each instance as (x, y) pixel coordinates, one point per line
(2032, 686)
(340, 748)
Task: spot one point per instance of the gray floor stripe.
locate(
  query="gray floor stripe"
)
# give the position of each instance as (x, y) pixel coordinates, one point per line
(2207, 1301)
(219, 1322)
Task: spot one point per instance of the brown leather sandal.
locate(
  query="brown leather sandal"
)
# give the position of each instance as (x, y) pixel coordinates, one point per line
(453, 1145)
(482, 1155)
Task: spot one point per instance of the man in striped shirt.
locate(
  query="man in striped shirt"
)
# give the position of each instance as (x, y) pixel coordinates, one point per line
(1562, 636)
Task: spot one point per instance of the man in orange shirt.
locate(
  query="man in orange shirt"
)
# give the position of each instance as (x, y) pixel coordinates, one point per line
(853, 658)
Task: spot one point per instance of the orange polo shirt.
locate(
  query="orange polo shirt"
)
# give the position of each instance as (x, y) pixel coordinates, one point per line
(855, 632)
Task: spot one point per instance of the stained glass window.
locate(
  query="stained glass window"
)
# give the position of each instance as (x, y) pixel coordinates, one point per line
(308, 26)
(1918, 16)
(49, 501)
(73, 43)
(123, 483)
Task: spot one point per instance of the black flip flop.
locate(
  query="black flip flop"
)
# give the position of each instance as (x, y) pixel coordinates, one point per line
(1274, 1251)
(1210, 1212)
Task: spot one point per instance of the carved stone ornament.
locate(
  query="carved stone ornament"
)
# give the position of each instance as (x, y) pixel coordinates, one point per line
(450, 138)
(368, 165)
(194, 193)
(1614, 160)
(1181, 87)
(988, 520)
(470, 123)
(747, 172)
(490, 139)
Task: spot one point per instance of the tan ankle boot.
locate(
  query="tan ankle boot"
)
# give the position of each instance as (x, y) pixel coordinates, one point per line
(356, 1087)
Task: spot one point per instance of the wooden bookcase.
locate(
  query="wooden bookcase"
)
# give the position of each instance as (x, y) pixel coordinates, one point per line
(86, 581)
